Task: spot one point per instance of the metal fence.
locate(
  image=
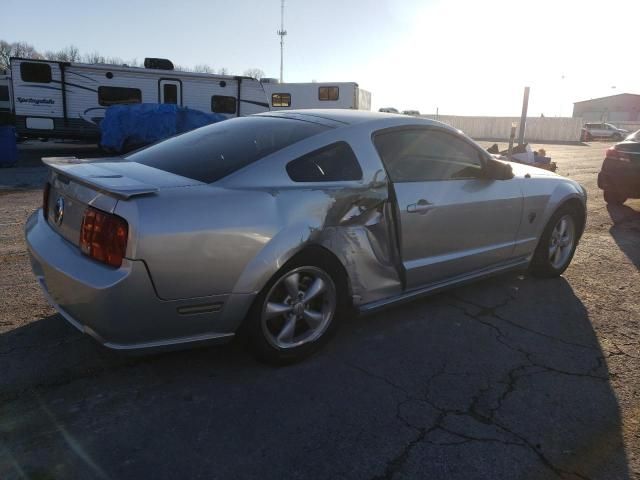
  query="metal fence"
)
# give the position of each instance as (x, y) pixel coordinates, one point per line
(538, 129)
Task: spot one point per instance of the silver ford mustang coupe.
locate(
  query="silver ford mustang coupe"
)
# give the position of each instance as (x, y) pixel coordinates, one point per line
(279, 223)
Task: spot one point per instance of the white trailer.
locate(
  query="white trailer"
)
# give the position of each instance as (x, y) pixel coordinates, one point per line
(68, 100)
(286, 96)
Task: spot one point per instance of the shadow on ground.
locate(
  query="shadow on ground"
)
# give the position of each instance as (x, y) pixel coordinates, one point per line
(626, 230)
(504, 379)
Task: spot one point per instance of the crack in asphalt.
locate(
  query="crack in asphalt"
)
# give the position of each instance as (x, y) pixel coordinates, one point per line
(473, 411)
(395, 464)
(491, 312)
(502, 339)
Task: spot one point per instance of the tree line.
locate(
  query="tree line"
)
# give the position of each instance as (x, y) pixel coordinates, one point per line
(72, 54)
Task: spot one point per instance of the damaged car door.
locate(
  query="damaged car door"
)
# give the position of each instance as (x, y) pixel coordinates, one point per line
(454, 221)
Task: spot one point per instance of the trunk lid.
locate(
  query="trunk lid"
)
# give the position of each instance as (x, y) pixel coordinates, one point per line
(100, 183)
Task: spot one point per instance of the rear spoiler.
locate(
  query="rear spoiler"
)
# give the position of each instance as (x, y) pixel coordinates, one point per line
(91, 174)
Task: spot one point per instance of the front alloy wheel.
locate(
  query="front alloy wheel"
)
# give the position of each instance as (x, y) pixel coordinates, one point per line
(561, 242)
(298, 308)
(557, 243)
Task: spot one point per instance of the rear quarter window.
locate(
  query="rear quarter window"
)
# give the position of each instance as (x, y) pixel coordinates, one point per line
(333, 163)
(210, 153)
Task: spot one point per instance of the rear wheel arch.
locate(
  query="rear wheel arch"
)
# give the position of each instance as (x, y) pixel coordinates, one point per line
(322, 260)
(325, 258)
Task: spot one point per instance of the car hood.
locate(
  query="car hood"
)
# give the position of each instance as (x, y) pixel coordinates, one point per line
(521, 169)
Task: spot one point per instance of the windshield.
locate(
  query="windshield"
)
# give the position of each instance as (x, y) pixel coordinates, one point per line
(210, 153)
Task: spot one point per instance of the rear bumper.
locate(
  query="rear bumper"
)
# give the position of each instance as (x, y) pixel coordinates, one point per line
(119, 307)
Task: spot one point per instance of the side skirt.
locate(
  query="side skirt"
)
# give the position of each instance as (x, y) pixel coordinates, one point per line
(517, 264)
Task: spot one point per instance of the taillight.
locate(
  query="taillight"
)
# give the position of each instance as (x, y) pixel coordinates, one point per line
(103, 236)
(615, 154)
(45, 200)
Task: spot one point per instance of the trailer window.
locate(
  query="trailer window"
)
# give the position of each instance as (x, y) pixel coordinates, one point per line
(223, 104)
(35, 72)
(118, 95)
(4, 93)
(281, 100)
(328, 93)
(333, 163)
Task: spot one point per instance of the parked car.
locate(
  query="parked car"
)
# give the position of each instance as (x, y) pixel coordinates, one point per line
(619, 177)
(388, 110)
(414, 113)
(283, 222)
(602, 130)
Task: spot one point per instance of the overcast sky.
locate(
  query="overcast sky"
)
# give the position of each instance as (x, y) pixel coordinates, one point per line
(462, 57)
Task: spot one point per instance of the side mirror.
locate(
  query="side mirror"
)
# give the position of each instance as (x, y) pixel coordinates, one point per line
(495, 169)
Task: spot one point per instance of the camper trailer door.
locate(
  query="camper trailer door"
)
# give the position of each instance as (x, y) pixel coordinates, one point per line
(170, 91)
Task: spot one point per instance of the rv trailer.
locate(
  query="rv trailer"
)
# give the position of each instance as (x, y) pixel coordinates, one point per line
(68, 100)
(286, 96)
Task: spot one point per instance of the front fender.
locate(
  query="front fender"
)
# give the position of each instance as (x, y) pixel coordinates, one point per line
(542, 197)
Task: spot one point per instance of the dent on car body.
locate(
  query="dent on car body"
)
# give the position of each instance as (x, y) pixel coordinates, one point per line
(353, 224)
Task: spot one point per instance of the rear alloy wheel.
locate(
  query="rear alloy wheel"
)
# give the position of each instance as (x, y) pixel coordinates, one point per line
(295, 314)
(557, 245)
(614, 198)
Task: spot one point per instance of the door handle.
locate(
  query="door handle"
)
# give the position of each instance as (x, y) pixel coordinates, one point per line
(421, 206)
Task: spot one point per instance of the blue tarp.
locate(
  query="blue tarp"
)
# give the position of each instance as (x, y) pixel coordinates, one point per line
(130, 126)
(8, 148)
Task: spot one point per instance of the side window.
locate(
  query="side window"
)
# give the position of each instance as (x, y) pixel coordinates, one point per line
(281, 100)
(170, 93)
(333, 163)
(427, 154)
(328, 93)
(4, 93)
(118, 95)
(35, 72)
(223, 104)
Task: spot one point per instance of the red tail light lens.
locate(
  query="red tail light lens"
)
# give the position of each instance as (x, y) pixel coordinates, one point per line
(45, 200)
(615, 154)
(103, 236)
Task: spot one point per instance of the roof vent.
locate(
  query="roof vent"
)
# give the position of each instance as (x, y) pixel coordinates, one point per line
(158, 63)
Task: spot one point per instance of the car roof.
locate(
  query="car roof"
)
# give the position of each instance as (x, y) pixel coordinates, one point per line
(340, 116)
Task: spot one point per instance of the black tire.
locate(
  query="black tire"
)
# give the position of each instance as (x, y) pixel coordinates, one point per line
(541, 265)
(613, 198)
(264, 349)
